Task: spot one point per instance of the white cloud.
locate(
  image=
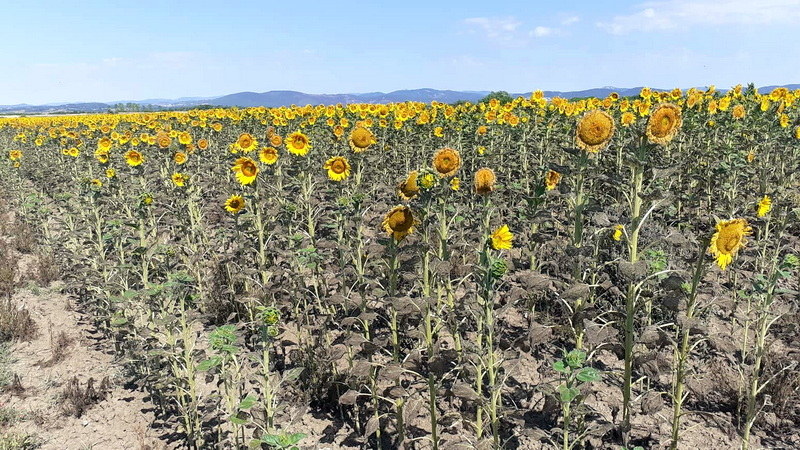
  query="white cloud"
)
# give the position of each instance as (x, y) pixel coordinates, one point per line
(542, 31)
(570, 20)
(668, 15)
(496, 28)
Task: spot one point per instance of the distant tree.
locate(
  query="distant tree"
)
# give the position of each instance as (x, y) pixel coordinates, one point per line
(501, 96)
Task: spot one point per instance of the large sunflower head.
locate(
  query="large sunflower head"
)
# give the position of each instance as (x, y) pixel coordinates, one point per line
(268, 155)
(594, 131)
(297, 143)
(246, 170)
(409, 188)
(728, 239)
(399, 222)
(184, 138)
(338, 168)
(663, 124)
(361, 138)
(484, 181)
(104, 144)
(246, 142)
(133, 158)
(551, 179)
(446, 161)
(234, 204)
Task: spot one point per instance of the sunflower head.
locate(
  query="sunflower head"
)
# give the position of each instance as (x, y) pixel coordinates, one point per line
(179, 158)
(179, 179)
(551, 180)
(663, 124)
(163, 140)
(15, 155)
(184, 138)
(484, 181)
(501, 238)
(738, 112)
(361, 138)
(399, 222)
(728, 239)
(764, 206)
(446, 162)
(298, 144)
(268, 155)
(133, 158)
(111, 173)
(594, 131)
(338, 168)
(618, 231)
(409, 188)
(234, 204)
(275, 140)
(246, 170)
(202, 144)
(246, 142)
(104, 143)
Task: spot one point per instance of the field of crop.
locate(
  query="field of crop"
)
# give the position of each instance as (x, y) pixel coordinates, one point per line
(585, 274)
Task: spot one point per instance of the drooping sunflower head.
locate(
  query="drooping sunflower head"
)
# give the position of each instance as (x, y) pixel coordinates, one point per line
(234, 204)
(338, 168)
(551, 179)
(501, 238)
(268, 155)
(101, 155)
(764, 206)
(133, 158)
(246, 170)
(297, 143)
(663, 124)
(484, 181)
(399, 222)
(594, 131)
(361, 138)
(179, 179)
(446, 162)
(409, 188)
(728, 239)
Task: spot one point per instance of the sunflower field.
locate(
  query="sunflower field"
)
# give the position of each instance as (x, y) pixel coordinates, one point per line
(544, 273)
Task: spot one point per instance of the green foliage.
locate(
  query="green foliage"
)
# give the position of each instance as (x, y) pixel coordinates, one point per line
(502, 96)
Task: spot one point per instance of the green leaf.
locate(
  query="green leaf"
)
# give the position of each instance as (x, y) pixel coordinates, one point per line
(237, 420)
(248, 402)
(567, 394)
(588, 374)
(560, 366)
(209, 364)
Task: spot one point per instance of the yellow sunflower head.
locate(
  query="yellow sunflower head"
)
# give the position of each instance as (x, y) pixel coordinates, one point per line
(738, 112)
(297, 143)
(179, 158)
(73, 152)
(338, 168)
(15, 155)
(133, 158)
(551, 179)
(202, 144)
(501, 238)
(246, 170)
(764, 206)
(618, 231)
(728, 239)
(234, 204)
(484, 181)
(446, 162)
(184, 138)
(275, 140)
(111, 173)
(361, 138)
(179, 179)
(104, 143)
(595, 130)
(455, 183)
(663, 124)
(399, 222)
(409, 188)
(268, 155)
(628, 118)
(246, 142)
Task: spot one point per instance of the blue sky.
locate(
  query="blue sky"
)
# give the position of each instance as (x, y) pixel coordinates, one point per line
(57, 51)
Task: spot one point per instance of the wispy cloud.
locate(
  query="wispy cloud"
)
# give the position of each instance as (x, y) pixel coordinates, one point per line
(571, 20)
(678, 14)
(499, 29)
(542, 31)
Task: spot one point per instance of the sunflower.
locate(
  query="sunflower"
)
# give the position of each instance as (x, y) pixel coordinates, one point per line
(101, 155)
(73, 152)
(446, 161)
(501, 238)
(216, 126)
(594, 131)
(246, 170)
(111, 173)
(663, 124)
(202, 144)
(179, 179)
(268, 155)
(618, 230)
(104, 144)
(438, 132)
(399, 222)
(14, 155)
(783, 120)
(179, 158)
(738, 112)
(163, 140)
(751, 156)
(409, 189)
(764, 206)
(361, 138)
(338, 168)
(298, 143)
(96, 183)
(455, 183)
(728, 239)
(246, 142)
(628, 118)
(484, 181)
(234, 204)
(551, 179)
(184, 138)
(275, 140)
(133, 158)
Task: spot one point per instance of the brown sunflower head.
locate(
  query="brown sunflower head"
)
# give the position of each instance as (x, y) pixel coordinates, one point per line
(663, 124)
(446, 162)
(484, 181)
(595, 130)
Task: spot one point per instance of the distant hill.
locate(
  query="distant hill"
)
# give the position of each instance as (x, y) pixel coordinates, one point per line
(287, 98)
